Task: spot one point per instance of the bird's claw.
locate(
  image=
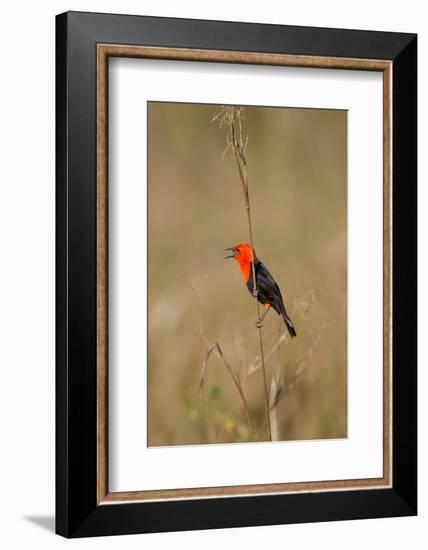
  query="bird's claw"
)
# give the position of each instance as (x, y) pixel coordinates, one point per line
(255, 293)
(259, 323)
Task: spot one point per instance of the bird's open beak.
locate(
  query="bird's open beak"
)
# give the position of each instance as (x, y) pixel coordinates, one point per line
(233, 250)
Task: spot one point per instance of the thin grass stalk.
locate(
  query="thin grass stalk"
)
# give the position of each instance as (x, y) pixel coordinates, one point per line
(238, 149)
(273, 411)
(215, 347)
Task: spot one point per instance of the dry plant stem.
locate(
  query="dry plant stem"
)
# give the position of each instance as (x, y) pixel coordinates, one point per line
(238, 149)
(273, 410)
(274, 424)
(214, 346)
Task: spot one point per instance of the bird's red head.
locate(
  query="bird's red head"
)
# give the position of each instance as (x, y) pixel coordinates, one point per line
(244, 257)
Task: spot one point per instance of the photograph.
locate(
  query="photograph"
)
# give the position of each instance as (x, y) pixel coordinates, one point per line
(247, 274)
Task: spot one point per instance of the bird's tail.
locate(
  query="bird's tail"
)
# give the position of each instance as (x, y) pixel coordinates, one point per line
(289, 324)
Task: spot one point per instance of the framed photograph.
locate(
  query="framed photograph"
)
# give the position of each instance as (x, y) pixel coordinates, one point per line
(236, 274)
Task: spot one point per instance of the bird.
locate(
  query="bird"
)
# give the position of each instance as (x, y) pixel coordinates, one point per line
(267, 290)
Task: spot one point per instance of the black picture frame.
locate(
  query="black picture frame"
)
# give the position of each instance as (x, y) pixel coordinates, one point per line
(77, 511)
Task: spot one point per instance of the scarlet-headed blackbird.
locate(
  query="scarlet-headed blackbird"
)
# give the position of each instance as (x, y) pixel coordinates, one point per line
(268, 292)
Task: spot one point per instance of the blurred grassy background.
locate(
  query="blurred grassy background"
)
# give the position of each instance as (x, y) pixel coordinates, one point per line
(297, 169)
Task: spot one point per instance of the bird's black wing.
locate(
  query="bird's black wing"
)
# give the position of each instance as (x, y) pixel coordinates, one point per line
(268, 288)
(269, 292)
